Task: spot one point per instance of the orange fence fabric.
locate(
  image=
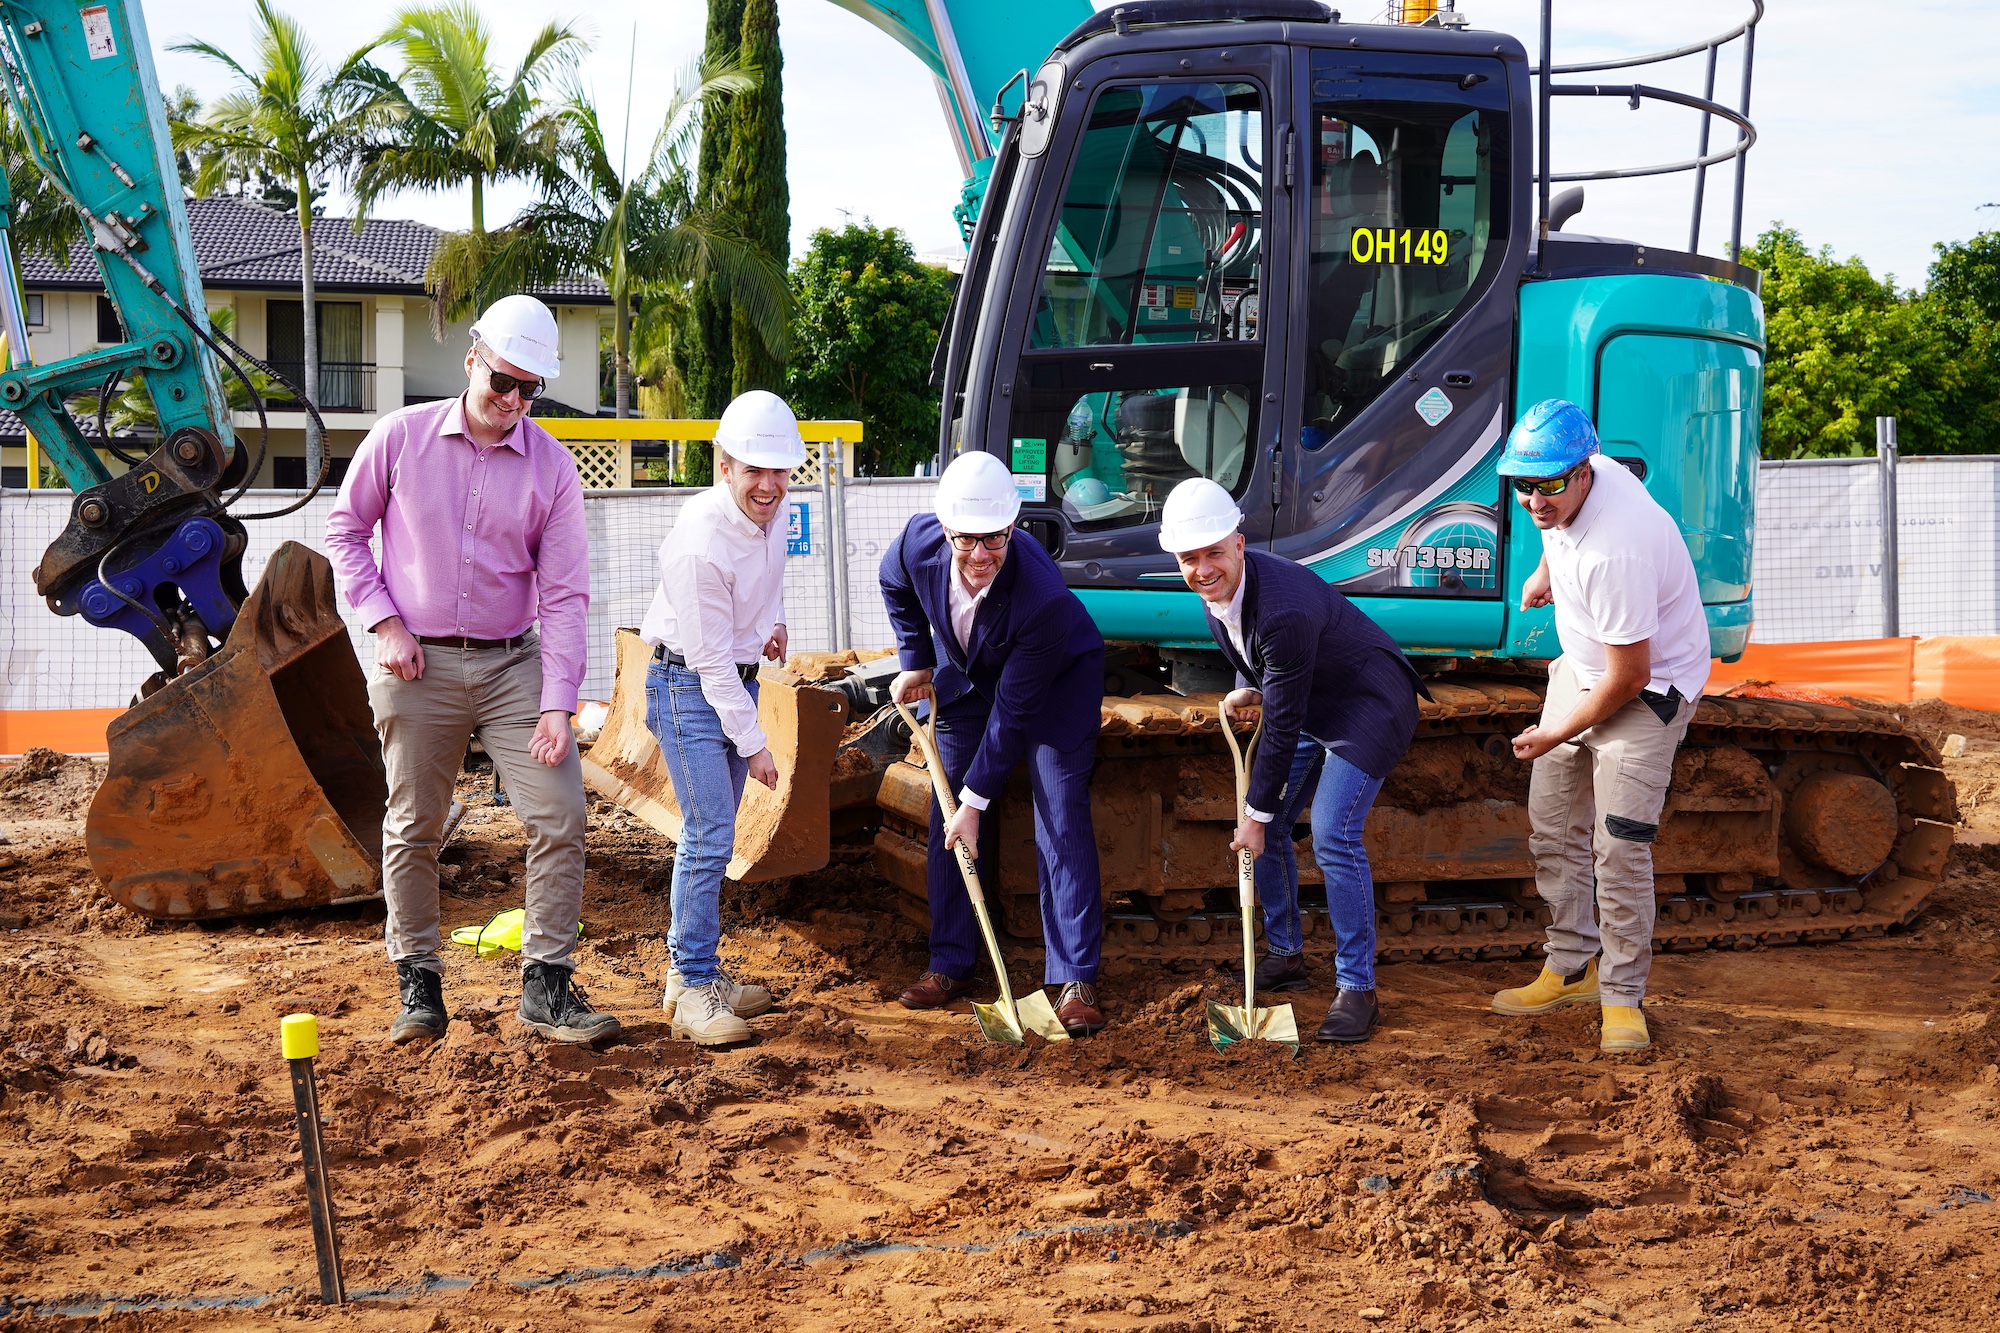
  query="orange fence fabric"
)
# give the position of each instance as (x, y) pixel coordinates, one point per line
(70, 730)
(1962, 671)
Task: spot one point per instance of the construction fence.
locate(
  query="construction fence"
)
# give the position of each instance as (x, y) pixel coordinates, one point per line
(1818, 568)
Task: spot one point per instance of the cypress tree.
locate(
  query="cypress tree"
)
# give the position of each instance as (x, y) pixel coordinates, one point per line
(706, 347)
(760, 199)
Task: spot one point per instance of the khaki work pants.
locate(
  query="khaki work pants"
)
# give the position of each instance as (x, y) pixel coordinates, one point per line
(496, 695)
(1595, 804)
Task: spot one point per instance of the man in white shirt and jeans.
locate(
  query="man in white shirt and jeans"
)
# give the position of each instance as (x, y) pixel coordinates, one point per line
(1635, 657)
(719, 609)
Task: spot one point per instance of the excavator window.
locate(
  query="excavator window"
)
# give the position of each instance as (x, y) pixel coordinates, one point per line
(1158, 244)
(1408, 215)
(1159, 239)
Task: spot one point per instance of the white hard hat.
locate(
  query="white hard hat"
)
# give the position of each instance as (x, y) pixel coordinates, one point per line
(976, 494)
(522, 332)
(1198, 514)
(758, 429)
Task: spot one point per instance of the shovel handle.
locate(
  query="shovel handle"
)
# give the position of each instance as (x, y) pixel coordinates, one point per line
(968, 870)
(1246, 872)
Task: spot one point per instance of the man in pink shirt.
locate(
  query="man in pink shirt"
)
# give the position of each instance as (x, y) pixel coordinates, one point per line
(482, 535)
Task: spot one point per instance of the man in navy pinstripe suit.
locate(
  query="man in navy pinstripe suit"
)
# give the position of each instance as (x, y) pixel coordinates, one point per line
(1340, 707)
(1015, 668)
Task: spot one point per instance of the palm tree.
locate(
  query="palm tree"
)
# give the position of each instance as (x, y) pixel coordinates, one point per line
(641, 233)
(293, 121)
(456, 119)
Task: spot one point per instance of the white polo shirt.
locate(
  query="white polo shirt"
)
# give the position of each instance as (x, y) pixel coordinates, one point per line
(1620, 573)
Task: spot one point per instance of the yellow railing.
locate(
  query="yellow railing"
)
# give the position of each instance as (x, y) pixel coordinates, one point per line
(603, 445)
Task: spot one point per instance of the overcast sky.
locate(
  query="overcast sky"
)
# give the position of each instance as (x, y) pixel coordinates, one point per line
(1878, 120)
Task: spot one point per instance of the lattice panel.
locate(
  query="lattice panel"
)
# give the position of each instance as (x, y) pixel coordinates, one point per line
(598, 464)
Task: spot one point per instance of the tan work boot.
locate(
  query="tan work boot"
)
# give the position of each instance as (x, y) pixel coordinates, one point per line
(702, 1015)
(746, 1001)
(1624, 1029)
(1550, 990)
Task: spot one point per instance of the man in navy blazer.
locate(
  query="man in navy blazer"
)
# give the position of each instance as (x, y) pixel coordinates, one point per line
(1340, 707)
(1015, 668)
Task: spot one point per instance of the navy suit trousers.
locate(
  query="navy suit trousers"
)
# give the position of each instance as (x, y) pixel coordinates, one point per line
(1065, 856)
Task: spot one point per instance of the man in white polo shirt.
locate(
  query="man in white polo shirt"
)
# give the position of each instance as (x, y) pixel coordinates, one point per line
(1634, 660)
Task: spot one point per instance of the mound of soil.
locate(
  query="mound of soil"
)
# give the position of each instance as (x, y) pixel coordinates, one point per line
(48, 785)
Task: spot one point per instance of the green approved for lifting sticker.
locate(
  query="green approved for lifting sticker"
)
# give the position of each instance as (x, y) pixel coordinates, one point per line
(1030, 455)
(1390, 245)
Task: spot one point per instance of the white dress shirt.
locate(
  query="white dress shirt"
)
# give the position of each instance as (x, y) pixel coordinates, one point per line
(721, 594)
(964, 605)
(1231, 617)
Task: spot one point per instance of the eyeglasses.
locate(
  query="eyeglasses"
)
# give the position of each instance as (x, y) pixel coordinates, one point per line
(992, 541)
(1553, 486)
(506, 384)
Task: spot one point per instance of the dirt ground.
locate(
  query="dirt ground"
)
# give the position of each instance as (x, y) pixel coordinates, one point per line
(1810, 1143)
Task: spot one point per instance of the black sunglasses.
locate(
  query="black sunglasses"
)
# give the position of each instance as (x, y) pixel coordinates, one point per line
(506, 384)
(1553, 486)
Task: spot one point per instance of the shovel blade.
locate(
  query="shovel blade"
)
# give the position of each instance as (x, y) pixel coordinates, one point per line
(1036, 1015)
(1230, 1023)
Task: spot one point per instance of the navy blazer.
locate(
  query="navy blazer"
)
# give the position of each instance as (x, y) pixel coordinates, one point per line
(1035, 656)
(1326, 671)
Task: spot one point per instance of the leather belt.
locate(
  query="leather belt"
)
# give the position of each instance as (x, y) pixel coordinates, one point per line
(744, 672)
(460, 641)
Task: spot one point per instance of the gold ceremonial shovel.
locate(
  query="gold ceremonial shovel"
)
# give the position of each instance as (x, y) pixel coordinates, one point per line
(1226, 1023)
(1010, 1019)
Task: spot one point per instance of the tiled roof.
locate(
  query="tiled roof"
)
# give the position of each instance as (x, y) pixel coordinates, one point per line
(240, 243)
(133, 439)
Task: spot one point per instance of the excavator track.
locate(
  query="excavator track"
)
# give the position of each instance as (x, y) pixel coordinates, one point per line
(1787, 822)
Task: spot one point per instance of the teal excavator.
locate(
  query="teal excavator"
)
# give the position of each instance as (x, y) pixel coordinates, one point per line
(1320, 263)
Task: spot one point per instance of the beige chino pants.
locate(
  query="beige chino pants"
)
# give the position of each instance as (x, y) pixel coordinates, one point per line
(496, 695)
(1595, 804)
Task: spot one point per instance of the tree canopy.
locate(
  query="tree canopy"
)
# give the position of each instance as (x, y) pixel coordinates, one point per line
(865, 322)
(1846, 347)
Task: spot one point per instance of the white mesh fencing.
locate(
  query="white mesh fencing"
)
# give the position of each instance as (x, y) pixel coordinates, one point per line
(49, 661)
(1817, 576)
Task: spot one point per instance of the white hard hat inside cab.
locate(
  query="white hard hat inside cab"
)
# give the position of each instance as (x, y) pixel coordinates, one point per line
(759, 429)
(976, 494)
(522, 332)
(1198, 514)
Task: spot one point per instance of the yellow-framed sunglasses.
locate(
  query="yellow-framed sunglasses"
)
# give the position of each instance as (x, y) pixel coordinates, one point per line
(1552, 486)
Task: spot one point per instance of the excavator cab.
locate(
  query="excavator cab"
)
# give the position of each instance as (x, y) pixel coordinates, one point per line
(1270, 253)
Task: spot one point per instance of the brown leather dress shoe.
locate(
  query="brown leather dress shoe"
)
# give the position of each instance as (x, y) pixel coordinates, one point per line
(1077, 1011)
(934, 990)
(1352, 1017)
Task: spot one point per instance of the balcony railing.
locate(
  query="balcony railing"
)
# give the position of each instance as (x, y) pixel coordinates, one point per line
(344, 386)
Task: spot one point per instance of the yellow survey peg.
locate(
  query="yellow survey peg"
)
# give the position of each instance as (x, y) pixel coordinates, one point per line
(298, 1038)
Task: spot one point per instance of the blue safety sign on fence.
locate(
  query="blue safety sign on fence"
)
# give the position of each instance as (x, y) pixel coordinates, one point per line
(798, 533)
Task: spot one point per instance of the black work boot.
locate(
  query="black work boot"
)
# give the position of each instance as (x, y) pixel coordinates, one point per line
(422, 993)
(560, 1011)
(1352, 1017)
(1278, 971)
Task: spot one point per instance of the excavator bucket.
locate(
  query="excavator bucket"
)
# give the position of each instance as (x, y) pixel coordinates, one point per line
(781, 832)
(253, 781)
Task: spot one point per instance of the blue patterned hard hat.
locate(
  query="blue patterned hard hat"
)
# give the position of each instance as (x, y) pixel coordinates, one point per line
(1551, 437)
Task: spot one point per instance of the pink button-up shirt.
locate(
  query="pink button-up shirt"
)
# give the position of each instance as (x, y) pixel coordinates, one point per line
(475, 541)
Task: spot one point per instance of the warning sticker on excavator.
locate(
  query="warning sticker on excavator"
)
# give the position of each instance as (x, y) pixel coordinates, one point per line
(97, 36)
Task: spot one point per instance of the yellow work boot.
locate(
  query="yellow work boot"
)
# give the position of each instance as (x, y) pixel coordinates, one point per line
(1551, 990)
(1624, 1029)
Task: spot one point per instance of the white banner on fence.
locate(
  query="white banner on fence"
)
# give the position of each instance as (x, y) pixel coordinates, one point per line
(1818, 572)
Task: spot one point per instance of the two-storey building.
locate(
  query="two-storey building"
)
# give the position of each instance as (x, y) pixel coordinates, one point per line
(376, 348)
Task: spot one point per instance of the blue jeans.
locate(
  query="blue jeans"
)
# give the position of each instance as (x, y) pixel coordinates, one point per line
(708, 777)
(1340, 795)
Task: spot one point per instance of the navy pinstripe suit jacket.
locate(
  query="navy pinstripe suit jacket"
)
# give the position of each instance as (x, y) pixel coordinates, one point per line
(1327, 671)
